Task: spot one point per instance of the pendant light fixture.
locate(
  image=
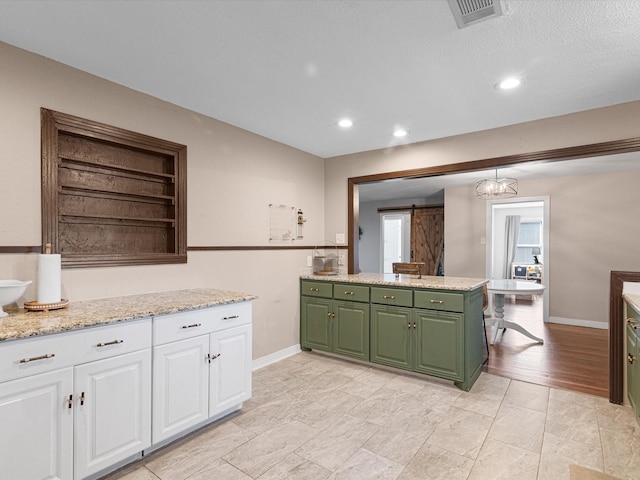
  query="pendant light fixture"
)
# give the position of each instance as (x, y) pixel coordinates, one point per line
(490, 188)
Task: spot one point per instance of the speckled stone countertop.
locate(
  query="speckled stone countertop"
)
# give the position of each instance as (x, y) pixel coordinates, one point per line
(88, 313)
(633, 299)
(440, 283)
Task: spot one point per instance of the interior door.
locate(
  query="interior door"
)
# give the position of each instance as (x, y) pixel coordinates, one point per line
(427, 237)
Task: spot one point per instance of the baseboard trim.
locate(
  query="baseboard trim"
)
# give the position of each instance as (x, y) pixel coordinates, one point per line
(275, 357)
(576, 322)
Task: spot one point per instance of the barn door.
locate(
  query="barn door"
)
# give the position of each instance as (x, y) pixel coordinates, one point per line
(427, 237)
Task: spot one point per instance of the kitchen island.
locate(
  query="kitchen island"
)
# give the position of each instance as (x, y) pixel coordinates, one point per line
(429, 325)
(93, 386)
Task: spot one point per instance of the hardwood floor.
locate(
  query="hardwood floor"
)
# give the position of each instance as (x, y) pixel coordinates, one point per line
(572, 358)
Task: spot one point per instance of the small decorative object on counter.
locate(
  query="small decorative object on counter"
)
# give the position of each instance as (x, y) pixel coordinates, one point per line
(10, 291)
(45, 307)
(325, 263)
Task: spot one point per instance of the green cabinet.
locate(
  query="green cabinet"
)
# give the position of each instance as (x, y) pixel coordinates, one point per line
(432, 331)
(392, 336)
(338, 326)
(439, 343)
(633, 359)
(420, 340)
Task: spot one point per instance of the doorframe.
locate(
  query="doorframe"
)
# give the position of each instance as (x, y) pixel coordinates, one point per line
(406, 225)
(545, 199)
(552, 155)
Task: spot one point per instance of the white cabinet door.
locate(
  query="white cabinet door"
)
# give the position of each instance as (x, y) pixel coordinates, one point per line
(112, 411)
(36, 433)
(230, 374)
(180, 386)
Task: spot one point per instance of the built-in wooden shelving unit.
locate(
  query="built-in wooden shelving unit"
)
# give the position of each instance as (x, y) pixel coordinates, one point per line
(111, 196)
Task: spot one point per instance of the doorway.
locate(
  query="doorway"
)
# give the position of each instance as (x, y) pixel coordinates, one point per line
(530, 260)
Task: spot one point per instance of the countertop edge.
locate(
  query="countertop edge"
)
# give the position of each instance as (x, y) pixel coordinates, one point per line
(461, 284)
(22, 324)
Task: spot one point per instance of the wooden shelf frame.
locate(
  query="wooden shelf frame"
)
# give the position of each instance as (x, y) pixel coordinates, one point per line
(99, 178)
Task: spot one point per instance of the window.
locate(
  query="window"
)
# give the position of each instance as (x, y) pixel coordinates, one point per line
(529, 237)
(395, 239)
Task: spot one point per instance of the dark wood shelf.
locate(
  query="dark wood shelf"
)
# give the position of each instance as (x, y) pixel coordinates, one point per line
(69, 158)
(111, 196)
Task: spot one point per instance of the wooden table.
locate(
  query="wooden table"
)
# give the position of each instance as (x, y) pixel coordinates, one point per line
(500, 288)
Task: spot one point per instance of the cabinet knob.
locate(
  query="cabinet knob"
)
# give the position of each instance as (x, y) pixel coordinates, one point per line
(630, 359)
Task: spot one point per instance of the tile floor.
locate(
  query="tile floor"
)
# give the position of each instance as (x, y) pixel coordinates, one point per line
(314, 417)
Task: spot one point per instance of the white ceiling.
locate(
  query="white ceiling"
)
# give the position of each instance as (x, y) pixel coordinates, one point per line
(288, 70)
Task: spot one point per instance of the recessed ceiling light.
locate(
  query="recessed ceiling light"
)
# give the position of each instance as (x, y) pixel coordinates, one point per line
(400, 132)
(346, 123)
(509, 83)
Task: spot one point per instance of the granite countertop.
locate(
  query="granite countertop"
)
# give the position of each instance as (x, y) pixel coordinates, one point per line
(440, 283)
(633, 299)
(88, 313)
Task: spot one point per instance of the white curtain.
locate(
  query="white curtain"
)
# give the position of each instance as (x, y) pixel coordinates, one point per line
(512, 228)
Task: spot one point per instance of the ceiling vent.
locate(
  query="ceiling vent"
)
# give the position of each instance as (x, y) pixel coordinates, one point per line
(467, 12)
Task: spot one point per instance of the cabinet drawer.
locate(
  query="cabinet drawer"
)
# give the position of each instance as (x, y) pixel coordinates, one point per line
(392, 296)
(316, 289)
(179, 326)
(436, 300)
(633, 317)
(21, 358)
(354, 293)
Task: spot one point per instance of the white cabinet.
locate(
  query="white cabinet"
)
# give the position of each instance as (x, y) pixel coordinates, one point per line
(180, 383)
(75, 403)
(36, 437)
(113, 412)
(202, 366)
(230, 378)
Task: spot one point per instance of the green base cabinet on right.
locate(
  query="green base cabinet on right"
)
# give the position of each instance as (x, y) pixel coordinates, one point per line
(632, 353)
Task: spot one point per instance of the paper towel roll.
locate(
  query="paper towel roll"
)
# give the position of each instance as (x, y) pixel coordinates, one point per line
(49, 278)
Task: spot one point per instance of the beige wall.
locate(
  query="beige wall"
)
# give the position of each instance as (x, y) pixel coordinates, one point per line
(593, 229)
(232, 177)
(600, 246)
(592, 126)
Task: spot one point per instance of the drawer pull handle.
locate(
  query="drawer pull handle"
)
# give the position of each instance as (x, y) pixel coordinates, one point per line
(633, 323)
(437, 301)
(41, 357)
(70, 401)
(389, 297)
(193, 325)
(630, 359)
(82, 398)
(113, 342)
(349, 293)
(210, 357)
(314, 289)
(231, 317)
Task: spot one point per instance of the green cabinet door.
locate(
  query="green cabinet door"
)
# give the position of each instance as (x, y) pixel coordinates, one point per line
(351, 329)
(315, 323)
(632, 368)
(439, 343)
(391, 334)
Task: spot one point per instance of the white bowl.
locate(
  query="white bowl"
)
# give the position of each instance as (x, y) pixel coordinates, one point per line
(10, 291)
